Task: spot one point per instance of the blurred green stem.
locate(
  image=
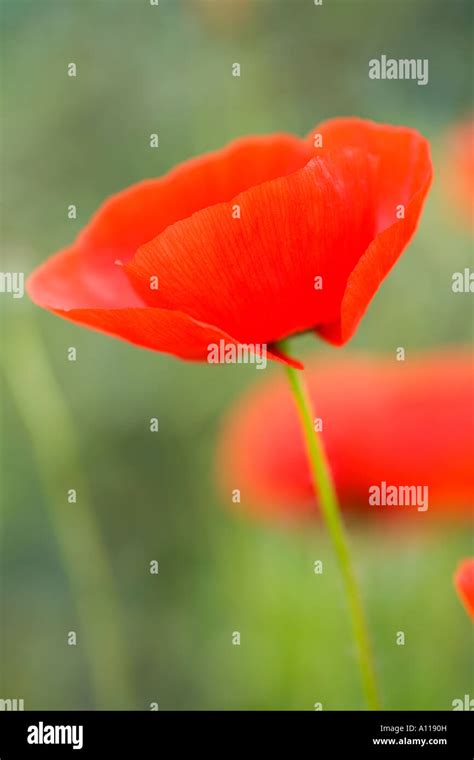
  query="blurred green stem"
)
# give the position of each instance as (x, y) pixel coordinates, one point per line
(324, 487)
(46, 416)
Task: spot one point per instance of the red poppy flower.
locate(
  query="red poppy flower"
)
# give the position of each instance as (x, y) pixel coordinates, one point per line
(464, 582)
(459, 168)
(383, 421)
(228, 245)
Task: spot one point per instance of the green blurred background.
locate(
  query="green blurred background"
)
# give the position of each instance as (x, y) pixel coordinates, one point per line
(166, 638)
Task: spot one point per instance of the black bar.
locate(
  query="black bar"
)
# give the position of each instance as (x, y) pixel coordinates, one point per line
(442, 734)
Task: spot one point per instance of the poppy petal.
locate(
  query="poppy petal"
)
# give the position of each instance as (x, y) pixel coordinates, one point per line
(371, 269)
(458, 170)
(464, 582)
(157, 329)
(139, 213)
(404, 175)
(403, 156)
(76, 278)
(254, 275)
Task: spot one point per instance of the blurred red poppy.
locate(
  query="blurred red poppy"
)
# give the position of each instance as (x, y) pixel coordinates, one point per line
(459, 169)
(405, 424)
(229, 245)
(464, 582)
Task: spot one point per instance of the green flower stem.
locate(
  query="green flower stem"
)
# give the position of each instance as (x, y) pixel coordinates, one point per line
(46, 417)
(324, 487)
